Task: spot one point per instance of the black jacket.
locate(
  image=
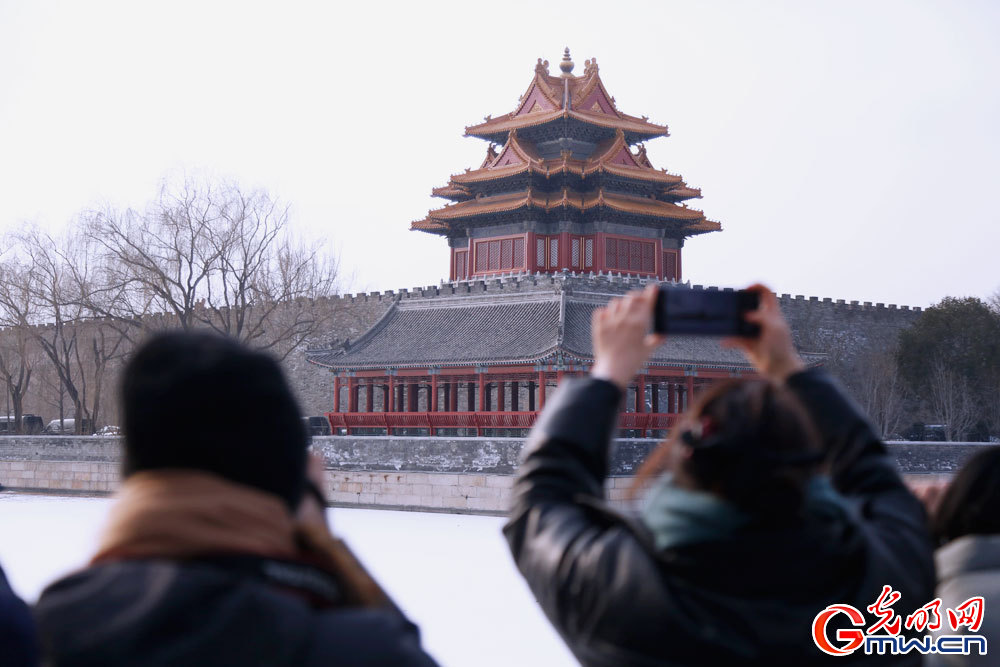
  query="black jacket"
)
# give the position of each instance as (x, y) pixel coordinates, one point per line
(751, 599)
(160, 612)
(18, 643)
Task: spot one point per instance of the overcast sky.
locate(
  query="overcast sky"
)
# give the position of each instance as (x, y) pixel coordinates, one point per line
(849, 149)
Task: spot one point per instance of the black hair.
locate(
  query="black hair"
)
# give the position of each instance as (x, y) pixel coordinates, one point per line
(971, 503)
(203, 401)
(751, 442)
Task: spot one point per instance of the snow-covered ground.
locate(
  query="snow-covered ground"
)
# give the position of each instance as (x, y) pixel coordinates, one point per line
(451, 573)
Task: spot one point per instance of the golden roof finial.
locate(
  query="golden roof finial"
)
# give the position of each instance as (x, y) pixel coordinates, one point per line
(567, 63)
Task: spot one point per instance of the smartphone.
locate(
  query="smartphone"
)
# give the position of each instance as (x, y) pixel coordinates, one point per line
(705, 312)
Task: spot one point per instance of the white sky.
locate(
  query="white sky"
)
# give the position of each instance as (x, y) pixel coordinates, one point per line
(850, 149)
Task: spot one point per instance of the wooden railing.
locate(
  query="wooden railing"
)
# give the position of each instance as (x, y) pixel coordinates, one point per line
(432, 421)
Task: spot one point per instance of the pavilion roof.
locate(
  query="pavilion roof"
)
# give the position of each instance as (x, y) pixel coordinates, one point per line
(519, 156)
(504, 330)
(694, 220)
(583, 98)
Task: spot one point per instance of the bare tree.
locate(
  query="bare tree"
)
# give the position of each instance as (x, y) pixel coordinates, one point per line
(214, 257)
(49, 281)
(951, 401)
(17, 356)
(879, 388)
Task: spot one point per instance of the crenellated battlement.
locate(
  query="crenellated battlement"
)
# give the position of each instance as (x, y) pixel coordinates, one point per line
(524, 281)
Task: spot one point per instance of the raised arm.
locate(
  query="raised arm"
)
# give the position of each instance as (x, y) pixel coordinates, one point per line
(860, 467)
(566, 544)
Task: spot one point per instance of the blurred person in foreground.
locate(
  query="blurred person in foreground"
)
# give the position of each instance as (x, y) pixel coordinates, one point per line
(216, 550)
(772, 499)
(18, 643)
(965, 523)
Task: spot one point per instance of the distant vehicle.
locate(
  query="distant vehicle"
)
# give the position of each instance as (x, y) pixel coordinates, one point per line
(67, 427)
(30, 424)
(934, 431)
(109, 431)
(317, 425)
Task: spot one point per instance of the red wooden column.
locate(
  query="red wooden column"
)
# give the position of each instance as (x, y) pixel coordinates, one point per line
(482, 398)
(434, 393)
(482, 392)
(640, 399)
(352, 394)
(541, 390)
(336, 393)
(392, 396)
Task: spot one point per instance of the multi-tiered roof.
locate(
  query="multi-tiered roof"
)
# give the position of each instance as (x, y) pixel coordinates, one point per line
(566, 154)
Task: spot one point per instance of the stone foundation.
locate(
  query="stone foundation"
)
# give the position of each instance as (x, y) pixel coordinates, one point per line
(465, 475)
(60, 476)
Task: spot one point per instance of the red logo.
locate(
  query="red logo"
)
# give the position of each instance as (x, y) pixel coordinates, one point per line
(883, 636)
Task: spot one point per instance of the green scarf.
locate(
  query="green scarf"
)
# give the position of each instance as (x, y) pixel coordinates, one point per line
(677, 516)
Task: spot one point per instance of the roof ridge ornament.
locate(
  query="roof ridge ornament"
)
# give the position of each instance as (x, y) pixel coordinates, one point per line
(567, 64)
(590, 67)
(542, 67)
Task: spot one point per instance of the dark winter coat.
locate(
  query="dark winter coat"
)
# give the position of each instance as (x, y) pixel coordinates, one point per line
(18, 643)
(161, 612)
(749, 599)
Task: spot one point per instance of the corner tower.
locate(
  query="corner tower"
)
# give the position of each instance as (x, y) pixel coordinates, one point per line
(566, 185)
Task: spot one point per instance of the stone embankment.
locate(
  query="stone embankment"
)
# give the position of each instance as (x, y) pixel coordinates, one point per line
(471, 475)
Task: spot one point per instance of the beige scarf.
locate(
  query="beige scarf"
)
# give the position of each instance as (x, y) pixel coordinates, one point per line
(179, 514)
(188, 513)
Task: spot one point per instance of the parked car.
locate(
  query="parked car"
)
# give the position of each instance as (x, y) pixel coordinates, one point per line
(30, 424)
(67, 427)
(317, 425)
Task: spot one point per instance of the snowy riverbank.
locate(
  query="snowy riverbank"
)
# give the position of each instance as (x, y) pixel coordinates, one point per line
(452, 574)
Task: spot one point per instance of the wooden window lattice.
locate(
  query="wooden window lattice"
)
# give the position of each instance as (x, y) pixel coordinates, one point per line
(588, 255)
(670, 265)
(540, 252)
(575, 245)
(628, 255)
(648, 258)
(494, 255)
(553, 253)
(506, 254)
(518, 254)
(461, 264)
(482, 256)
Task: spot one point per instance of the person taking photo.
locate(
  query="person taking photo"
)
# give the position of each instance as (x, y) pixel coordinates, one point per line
(772, 499)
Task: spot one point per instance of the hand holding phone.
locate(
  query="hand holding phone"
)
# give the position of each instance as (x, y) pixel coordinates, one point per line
(772, 351)
(703, 312)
